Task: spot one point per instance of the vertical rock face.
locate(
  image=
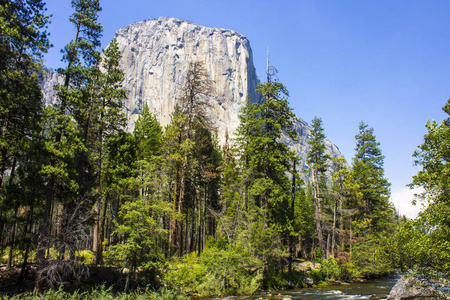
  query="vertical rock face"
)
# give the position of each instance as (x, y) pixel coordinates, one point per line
(155, 58)
(156, 55)
(49, 79)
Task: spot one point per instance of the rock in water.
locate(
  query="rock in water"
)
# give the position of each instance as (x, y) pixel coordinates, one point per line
(155, 58)
(413, 288)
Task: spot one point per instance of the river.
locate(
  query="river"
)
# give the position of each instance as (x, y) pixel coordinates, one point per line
(362, 290)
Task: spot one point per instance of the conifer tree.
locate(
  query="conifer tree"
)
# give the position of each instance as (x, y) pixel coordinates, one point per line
(23, 40)
(317, 161)
(188, 120)
(107, 120)
(69, 176)
(148, 134)
(368, 172)
(268, 161)
(232, 193)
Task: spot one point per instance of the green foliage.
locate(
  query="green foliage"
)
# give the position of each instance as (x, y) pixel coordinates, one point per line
(367, 260)
(148, 134)
(423, 243)
(23, 40)
(221, 269)
(410, 247)
(85, 256)
(140, 232)
(265, 162)
(317, 163)
(417, 246)
(368, 174)
(101, 293)
(316, 157)
(329, 270)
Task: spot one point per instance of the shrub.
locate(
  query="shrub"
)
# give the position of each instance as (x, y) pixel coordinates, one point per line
(220, 269)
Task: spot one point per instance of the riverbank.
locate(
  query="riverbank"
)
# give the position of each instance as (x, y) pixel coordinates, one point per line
(187, 277)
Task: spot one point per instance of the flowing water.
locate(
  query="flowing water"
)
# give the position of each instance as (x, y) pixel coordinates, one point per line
(362, 290)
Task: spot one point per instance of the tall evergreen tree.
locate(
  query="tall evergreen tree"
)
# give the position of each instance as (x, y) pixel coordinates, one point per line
(148, 134)
(70, 180)
(368, 172)
(268, 161)
(188, 120)
(317, 161)
(23, 40)
(107, 120)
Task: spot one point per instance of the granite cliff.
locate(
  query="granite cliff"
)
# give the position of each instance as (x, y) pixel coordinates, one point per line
(155, 58)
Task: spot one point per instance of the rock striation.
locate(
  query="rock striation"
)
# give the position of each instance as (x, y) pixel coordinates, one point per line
(155, 58)
(156, 55)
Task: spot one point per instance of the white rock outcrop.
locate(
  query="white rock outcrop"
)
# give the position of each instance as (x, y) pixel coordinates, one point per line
(155, 58)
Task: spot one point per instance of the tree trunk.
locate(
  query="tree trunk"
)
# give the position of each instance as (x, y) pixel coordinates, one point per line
(24, 270)
(95, 235)
(350, 242)
(333, 233)
(174, 225)
(199, 225)
(179, 240)
(204, 220)
(12, 241)
(292, 212)
(102, 232)
(328, 245)
(317, 206)
(13, 234)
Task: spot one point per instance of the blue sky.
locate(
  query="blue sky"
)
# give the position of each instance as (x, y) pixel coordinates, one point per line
(386, 63)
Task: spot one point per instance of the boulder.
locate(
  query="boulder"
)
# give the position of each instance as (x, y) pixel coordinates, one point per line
(414, 288)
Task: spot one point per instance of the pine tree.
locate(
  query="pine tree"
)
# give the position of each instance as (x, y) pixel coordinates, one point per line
(368, 174)
(267, 161)
(232, 194)
(317, 161)
(107, 120)
(148, 134)
(189, 120)
(69, 176)
(23, 40)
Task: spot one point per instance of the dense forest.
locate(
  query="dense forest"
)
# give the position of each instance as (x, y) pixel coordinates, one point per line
(170, 206)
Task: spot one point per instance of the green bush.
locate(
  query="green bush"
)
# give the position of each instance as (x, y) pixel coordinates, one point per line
(330, 269)
(220, 269)
(367, 260)
(276, 279)
(86, 256)
(348, 272)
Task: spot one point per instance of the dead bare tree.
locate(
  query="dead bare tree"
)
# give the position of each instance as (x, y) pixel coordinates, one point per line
(73, 231)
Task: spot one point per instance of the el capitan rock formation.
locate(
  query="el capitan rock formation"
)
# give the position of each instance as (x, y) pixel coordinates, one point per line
(155, 59)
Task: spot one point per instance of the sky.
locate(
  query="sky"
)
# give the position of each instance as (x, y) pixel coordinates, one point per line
(383, 62)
